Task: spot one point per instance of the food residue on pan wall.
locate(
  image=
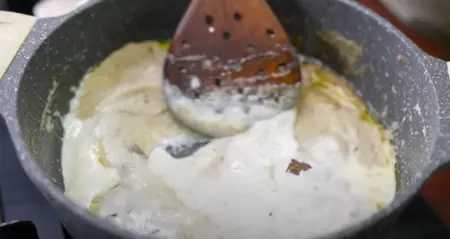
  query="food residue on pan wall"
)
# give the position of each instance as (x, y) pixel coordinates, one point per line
(401, 59)
(347, 51)
(47, 116)
(308, 171)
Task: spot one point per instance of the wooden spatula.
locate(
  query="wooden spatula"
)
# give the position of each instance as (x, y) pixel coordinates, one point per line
(230, 64)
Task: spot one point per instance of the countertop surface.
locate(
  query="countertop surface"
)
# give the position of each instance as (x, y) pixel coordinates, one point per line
(14, 28)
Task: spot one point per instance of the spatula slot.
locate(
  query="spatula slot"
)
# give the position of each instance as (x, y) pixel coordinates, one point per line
(195, 94)
(250, 48)
(185, 44)
(261, 72)
(209, 20)
(182, 70)
(282, 67)
(217, 82)
(226, 35)
(270, 32)
(237, 16)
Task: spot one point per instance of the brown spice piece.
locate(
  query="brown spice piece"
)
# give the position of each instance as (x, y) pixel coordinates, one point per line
(295, 167)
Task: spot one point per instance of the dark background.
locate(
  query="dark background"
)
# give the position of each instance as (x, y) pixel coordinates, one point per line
(21, 6)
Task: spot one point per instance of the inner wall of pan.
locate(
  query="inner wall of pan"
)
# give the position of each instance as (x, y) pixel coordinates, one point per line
(389, 76)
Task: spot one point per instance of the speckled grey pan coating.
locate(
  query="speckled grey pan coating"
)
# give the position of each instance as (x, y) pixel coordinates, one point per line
(414, 94)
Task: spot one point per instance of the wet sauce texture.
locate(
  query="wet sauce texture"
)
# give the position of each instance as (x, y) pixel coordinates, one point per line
(305, 172)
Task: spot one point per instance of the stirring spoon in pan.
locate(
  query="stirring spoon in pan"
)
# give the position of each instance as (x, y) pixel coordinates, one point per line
(230, 64)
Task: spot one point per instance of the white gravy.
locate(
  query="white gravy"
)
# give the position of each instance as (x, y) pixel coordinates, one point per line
(234, 187)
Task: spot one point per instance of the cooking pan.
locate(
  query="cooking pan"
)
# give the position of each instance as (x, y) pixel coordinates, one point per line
(409, 89)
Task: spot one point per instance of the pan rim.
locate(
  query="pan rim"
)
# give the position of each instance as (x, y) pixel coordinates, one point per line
(54, 193)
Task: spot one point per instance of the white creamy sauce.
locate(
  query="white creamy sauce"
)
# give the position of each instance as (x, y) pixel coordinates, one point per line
(234, 187)
(220, 114)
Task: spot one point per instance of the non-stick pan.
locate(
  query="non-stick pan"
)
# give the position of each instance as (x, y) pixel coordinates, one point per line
(409, 89)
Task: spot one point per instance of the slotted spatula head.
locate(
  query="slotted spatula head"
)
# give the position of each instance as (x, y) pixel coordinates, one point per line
(230, 64)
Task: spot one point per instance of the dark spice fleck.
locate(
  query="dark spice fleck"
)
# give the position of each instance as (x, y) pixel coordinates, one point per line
(295, 167)
(134, 148)
(270, 214)
(155, 231)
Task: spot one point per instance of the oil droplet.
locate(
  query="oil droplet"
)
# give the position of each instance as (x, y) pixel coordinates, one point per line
(207, 64)
(195, 82)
